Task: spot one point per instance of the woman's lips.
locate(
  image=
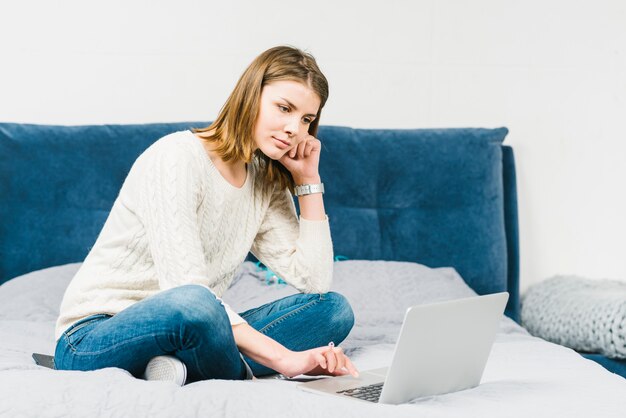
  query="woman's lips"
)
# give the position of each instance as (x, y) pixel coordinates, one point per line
(281, 144)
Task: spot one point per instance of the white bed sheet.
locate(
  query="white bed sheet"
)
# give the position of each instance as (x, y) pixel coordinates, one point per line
(524, 377)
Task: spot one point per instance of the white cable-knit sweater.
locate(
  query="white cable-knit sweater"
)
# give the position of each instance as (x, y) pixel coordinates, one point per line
(177, 221)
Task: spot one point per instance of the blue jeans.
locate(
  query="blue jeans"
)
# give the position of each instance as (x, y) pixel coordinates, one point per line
(191, 324)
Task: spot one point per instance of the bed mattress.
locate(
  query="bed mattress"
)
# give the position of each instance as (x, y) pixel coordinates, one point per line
(524, 377)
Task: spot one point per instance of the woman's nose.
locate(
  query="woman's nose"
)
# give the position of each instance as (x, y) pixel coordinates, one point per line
(291, 127)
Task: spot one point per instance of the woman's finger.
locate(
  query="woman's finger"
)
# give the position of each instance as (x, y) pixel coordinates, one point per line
(341, 359)
(351, 368)
(321, 360)
(308, 148)
(301, 147)
(331, 359)
(294, 151)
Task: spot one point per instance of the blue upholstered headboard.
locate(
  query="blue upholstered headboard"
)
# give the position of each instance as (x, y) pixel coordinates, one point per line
(440, 197)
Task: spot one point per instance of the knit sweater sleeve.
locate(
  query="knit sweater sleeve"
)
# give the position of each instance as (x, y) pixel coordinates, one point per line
(301, 253)
(169, 195)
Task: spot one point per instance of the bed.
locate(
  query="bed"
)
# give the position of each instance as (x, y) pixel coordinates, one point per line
(417, 216)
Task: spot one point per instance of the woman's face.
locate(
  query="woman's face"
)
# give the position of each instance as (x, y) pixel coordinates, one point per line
(286, 111)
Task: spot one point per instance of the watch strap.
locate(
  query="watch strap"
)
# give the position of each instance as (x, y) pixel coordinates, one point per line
(305, 189)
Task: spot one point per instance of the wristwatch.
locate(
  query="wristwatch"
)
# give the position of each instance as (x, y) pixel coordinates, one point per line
(305, 189)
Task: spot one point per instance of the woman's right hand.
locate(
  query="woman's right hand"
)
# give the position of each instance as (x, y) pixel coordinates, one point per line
(327, 360)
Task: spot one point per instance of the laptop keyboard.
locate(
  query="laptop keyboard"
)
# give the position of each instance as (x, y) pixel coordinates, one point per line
(367, 393)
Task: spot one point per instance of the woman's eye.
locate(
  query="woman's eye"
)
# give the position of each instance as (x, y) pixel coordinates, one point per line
(308, 120)
(283, 108)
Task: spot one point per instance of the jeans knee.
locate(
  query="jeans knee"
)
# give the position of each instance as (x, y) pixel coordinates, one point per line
(196, 305)
(341, 315)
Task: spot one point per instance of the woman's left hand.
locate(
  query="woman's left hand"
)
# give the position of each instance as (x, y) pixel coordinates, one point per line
(302, 161)
(325, 360)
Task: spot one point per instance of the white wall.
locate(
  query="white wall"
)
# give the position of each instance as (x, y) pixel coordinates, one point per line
(553, 72)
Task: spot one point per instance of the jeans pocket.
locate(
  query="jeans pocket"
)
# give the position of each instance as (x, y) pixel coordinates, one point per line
(77, 332)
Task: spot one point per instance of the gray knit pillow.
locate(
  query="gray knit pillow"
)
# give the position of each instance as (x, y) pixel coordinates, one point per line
(583, 314)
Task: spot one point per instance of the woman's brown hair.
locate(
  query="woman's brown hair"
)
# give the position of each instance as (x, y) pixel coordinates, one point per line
(232, 131)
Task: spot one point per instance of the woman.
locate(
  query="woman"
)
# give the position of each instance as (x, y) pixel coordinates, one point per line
(147, 297)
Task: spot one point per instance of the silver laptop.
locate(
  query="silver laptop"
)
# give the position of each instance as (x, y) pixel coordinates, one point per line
(442, 348)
